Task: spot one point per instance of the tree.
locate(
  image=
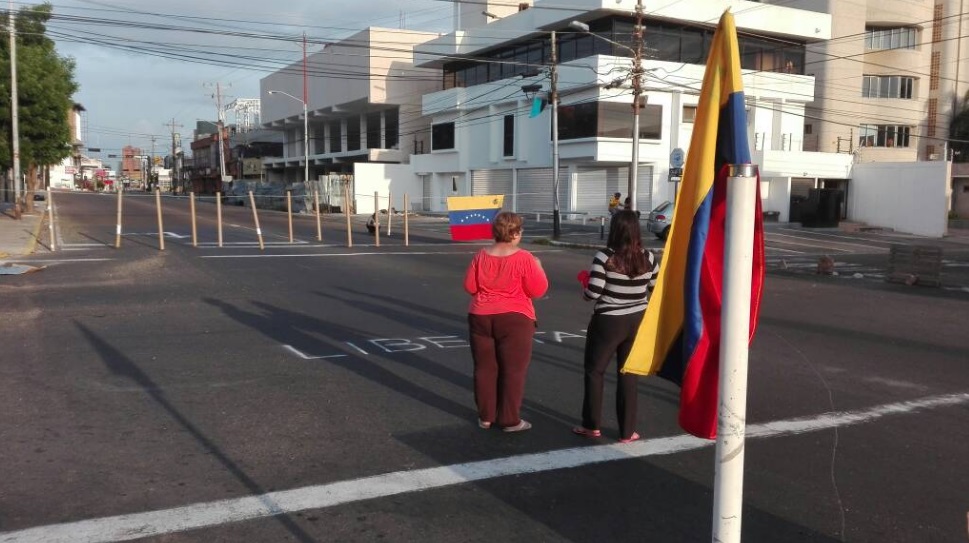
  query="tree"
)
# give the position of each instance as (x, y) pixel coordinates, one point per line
(45, 89)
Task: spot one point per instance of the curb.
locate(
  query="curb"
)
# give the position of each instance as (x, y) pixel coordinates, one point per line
(32, 244)
(569, 244)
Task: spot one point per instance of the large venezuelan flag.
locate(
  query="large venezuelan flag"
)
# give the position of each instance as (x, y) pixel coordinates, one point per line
(470, 217)
(679, 338)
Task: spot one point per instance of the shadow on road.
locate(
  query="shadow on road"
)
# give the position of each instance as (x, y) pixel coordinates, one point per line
(122, 366)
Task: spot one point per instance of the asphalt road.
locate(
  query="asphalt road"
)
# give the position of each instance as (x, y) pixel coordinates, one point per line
(315, 392)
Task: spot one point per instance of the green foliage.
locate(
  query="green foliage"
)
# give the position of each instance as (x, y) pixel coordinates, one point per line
(45, 89)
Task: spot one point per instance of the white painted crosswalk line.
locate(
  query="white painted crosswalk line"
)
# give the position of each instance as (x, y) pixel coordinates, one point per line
(208, 514)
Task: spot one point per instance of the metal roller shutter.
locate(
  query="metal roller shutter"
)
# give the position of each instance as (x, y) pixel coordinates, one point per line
(535, 189)
(644, 189)
(492, 182)
(596, 185)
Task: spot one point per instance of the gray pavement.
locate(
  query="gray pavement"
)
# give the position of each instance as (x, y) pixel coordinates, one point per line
(19, 237)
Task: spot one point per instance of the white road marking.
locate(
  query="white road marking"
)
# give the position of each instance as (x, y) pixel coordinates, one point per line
(883, 249)
(822, 244)
(201, 515)
(66, 260)
(304, 356)
(832, 236)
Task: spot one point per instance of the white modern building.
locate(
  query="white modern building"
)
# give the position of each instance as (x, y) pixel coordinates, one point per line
(484, 140)
(362, 96)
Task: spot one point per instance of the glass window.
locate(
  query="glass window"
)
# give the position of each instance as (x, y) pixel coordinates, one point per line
(884, 135)
(891, 38)
(509, 136)
(353, 133)
(335, 138)
(392, 129)
(689, 114)
(442, 136)
(373, 130)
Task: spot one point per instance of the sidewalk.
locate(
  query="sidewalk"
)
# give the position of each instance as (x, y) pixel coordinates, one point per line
(19, 238)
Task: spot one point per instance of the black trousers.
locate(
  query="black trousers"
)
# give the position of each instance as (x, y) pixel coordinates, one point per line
(610, 335)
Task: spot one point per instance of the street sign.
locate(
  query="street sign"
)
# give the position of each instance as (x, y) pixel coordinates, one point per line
(676, 174)
(677, 157)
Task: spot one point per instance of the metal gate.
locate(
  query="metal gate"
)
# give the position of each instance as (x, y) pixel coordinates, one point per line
(492, 182)
(597, 184)
(535, 190)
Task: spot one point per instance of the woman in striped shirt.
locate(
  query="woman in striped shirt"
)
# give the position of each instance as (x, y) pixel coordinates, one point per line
(621, 277)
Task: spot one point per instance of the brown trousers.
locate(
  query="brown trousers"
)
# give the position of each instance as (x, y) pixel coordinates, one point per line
(501, 346)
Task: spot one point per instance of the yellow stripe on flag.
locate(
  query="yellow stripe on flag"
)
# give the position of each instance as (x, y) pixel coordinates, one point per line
(663, 322)
(464, 203)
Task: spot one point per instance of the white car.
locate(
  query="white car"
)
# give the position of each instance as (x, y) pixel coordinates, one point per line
(659, 220)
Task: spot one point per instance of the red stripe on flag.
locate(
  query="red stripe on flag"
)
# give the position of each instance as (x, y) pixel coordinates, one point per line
(471, 232)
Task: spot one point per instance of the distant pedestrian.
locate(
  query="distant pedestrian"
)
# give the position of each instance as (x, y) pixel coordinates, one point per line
(614, 203)
(619, 281)
(502, 281)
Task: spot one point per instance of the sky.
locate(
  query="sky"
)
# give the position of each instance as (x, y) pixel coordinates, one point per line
(142, 66)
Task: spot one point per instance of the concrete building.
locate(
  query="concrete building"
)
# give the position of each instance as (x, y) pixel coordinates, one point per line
(484, 140)
(132, 165)
(888, 83)
(363, 99)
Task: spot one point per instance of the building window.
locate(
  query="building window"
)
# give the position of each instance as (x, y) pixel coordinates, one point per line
(442, 136)
(608, 120)
(808, 129)
(353, 133)
(392, 129)
(884, 135)
(891, 38)
(663, 41)
(373, 130)
(689, 114)
(509, 136)
(887, 86)
(336, 138)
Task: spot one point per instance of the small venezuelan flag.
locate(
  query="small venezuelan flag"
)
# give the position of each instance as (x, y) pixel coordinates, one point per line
(679, 337)
(471, 216)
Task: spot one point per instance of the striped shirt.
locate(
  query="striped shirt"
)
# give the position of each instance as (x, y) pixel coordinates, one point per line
(617, 293)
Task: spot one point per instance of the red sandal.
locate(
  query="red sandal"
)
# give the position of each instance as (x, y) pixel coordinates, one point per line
(585, 432)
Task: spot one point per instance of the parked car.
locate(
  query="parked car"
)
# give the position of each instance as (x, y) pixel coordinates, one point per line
(659, 220)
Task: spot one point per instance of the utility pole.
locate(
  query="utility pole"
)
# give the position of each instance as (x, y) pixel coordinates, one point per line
(638, 32)
(175, 164)
(15, 118)
(554, 97)
(221, 123)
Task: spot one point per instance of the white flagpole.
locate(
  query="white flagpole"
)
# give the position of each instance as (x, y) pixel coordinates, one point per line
(728, 489)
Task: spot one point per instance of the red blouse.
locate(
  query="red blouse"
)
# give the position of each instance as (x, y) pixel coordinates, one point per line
(504, 284)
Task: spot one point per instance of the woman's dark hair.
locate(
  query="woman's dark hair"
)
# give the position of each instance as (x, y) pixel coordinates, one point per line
(625, 241)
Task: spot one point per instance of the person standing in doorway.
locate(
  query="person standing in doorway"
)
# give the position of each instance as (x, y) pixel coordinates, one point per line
(619, 281)
(502, 281)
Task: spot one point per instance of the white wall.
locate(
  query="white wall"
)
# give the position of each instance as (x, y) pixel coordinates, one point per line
(910, 197)
(398, 179)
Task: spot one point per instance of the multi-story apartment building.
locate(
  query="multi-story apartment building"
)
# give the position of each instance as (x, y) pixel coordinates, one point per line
(890, 80)
(485, 140)
(362, 96)
(132, 164)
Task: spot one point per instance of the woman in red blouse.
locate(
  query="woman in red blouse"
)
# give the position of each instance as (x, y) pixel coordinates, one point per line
(502, 280)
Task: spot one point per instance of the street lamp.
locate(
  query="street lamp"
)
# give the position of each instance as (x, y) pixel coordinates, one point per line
(637, 74)
(530, 91)
(306, 137)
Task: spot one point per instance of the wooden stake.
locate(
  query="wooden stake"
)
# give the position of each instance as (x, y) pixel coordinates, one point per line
(346, 209)
(406, 225)
(289, 213)
(376, 219)
(50, 225)
(390, 211)
(117, 225)
(319, 224)
(161, 227)
(218, 214)
(191, 205)
(255, 218)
